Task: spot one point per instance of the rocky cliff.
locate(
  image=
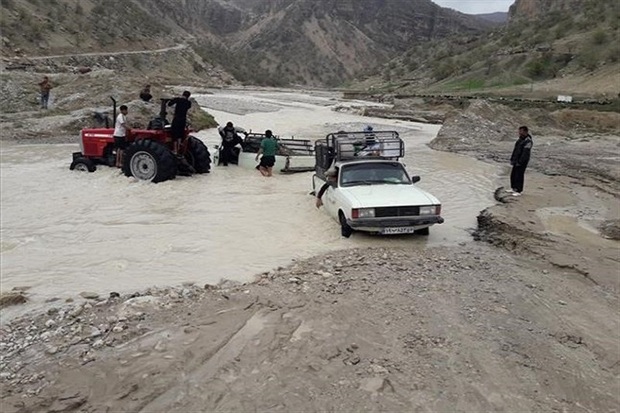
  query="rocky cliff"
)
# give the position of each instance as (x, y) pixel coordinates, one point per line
(261, 41)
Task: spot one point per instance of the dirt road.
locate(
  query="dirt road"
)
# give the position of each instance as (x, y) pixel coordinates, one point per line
(456, 329)
(121, 53)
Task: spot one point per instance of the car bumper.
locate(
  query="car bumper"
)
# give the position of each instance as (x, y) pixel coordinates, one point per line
(377, 224)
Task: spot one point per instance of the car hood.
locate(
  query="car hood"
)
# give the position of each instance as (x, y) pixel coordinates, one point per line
(388, 196)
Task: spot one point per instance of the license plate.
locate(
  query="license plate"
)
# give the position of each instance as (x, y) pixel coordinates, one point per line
(398, 230)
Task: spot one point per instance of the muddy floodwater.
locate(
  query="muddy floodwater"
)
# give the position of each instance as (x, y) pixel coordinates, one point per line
(65, 232)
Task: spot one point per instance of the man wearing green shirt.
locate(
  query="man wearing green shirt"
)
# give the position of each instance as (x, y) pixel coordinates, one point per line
(268, 148)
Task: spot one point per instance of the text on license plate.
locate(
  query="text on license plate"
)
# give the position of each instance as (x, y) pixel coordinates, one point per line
(398, 230)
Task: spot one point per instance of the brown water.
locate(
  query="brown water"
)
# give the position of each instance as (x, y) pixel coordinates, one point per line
(64, 232)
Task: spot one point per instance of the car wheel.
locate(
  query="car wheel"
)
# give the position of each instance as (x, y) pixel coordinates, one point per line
(345, 229)
(423, 231)
(83, 165)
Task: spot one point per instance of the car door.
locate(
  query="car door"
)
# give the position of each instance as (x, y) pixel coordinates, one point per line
(330, 201)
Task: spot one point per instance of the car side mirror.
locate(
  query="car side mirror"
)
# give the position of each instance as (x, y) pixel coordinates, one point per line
(415, 179)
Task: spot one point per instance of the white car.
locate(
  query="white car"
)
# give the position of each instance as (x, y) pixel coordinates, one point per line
(372, 191)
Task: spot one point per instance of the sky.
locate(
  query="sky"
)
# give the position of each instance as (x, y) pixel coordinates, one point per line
(476, 6)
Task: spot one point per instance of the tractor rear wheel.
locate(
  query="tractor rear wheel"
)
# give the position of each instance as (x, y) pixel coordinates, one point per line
(150, 161)
(198, 155)
(83, 165)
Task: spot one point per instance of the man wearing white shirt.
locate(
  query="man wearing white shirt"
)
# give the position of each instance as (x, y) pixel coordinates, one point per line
(121, 129)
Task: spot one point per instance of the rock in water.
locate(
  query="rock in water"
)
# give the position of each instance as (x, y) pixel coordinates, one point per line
(9, 299)
(89, 295)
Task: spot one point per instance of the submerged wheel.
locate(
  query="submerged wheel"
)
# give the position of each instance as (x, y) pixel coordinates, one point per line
(198, 155)
(424, 231)
(83, 165)
(109, 156)
(149, 161)
(345, 229)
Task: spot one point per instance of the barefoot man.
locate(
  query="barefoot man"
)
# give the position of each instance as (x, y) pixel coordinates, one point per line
(268, 148)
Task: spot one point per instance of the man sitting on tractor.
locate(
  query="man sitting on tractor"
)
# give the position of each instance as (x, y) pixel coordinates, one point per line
(181, 105)
(121, 129)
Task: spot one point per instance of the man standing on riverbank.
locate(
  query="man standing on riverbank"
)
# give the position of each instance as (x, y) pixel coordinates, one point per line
(45, 86)
(519, 160)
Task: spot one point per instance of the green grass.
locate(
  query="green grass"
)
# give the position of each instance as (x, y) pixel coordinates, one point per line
(201, 119)
(509, 80)
(468, 84)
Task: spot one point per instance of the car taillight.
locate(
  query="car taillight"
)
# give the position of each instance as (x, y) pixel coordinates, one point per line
(437, 209)
(355, 213)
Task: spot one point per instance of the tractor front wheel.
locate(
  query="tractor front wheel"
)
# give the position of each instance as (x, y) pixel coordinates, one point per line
(149, 161)
(198, 155)
(82, 164)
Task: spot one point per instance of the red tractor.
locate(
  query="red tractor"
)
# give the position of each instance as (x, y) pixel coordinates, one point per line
(151, 154)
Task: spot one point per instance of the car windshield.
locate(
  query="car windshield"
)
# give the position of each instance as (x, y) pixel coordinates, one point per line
(374, 173)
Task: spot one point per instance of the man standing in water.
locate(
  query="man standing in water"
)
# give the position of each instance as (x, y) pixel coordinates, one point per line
(230, 139)
(268, 148)
(181, 105)
(519, 160)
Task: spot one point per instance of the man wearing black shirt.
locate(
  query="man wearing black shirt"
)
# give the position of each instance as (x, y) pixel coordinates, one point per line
(519, 160)
(179, 121)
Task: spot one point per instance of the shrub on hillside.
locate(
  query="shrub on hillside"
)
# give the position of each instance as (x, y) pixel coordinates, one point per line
(547, 66)
(564, 27)
(599, 37)
(588, 59)
(613, 54)
(444, 69)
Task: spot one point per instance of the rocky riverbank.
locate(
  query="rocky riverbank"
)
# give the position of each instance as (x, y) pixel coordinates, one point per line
(466, 328)
(569, 212)
(82, 101)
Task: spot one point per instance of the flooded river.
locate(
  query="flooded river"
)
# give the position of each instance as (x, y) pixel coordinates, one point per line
(64, 232)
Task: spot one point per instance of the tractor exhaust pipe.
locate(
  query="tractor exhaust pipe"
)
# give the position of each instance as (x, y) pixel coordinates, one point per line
(162, 110)
(113, 113)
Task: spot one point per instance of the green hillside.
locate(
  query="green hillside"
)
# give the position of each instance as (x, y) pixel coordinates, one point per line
(554, 47)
